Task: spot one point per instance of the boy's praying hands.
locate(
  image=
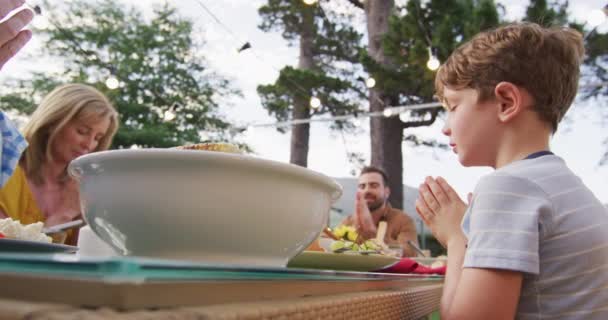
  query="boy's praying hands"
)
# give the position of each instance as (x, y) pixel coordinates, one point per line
(441, 209)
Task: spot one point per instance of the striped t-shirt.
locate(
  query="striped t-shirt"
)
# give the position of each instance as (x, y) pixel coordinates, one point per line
(536, 216)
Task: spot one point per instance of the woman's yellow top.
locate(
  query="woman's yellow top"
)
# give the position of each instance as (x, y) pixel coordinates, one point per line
(17, 200)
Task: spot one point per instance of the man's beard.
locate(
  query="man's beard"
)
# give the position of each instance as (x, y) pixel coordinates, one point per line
(373, 206)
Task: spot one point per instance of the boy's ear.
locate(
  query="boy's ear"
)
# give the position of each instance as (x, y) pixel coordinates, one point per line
(510, 99)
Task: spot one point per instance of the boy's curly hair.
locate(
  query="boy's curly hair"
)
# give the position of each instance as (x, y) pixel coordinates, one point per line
(544, 61)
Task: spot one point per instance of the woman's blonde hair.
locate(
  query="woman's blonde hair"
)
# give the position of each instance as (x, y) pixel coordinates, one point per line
(62, 105)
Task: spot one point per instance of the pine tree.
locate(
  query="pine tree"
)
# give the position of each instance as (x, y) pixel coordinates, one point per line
(541, 12)
(324, 43)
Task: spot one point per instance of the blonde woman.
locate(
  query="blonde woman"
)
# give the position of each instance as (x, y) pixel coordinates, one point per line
(71, 121)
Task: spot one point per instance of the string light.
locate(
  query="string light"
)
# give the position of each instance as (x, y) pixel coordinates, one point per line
(387, 113)
(357, 122)
(433, 63)
(395, 110)
(370, 82)
(315, 103)
(41, 22)
(250, 131)
(112, 82)
(596, 18)
(310, 2)
(169, 115)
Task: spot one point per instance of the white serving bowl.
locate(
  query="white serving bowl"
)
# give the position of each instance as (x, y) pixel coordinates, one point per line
(213, 207)
(90, 245)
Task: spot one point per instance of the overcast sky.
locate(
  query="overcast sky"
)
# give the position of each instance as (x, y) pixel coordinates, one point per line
(579, 141)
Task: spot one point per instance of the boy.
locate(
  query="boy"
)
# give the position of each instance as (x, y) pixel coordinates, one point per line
(533, 242)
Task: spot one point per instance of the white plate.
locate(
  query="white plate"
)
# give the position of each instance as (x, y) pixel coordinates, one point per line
(429, 261)
(341, 261)
(24, 246)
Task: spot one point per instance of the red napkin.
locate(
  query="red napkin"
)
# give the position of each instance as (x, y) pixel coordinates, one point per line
(407, 265)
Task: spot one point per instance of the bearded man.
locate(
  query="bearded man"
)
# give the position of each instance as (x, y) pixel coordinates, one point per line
(371, 207)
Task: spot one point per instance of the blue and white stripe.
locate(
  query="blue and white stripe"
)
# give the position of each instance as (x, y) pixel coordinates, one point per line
(536, 216)
(12, 145)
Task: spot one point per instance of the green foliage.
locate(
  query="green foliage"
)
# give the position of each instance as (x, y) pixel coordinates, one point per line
(16, 102)
(545, 14)
(22, 95)
(334, 44)
(155, 60)
(333, 38)
(284, 16)
(278, 98)
(442, 25)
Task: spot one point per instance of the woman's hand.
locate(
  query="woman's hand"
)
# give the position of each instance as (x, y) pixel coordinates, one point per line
(12, 37)
(441, 209)
(64, 217)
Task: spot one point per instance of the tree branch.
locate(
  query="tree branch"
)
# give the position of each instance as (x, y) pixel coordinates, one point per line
(356, 3)
(426, 143)
(422, 123)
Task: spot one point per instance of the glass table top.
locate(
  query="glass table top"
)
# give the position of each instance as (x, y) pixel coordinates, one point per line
(145, 269)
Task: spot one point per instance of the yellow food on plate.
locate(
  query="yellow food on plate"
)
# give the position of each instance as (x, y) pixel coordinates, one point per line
(346, 232)
(349, 242)
(219, 147)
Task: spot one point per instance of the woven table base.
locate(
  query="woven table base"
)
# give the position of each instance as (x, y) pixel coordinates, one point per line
(413, 303)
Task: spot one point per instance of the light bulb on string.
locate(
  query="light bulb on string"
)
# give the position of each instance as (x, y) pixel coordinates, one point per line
(112, 82)
(356, 122)
(370, 82)
(169, 115)
(405, 116)
(387, 113)
(250, 132)
(433, 63)
(596, 18)
(310, 2)
(40, 22)
(315, 103)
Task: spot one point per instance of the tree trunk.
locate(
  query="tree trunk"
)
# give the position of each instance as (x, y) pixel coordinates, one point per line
(386, 133)
(300, 133)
